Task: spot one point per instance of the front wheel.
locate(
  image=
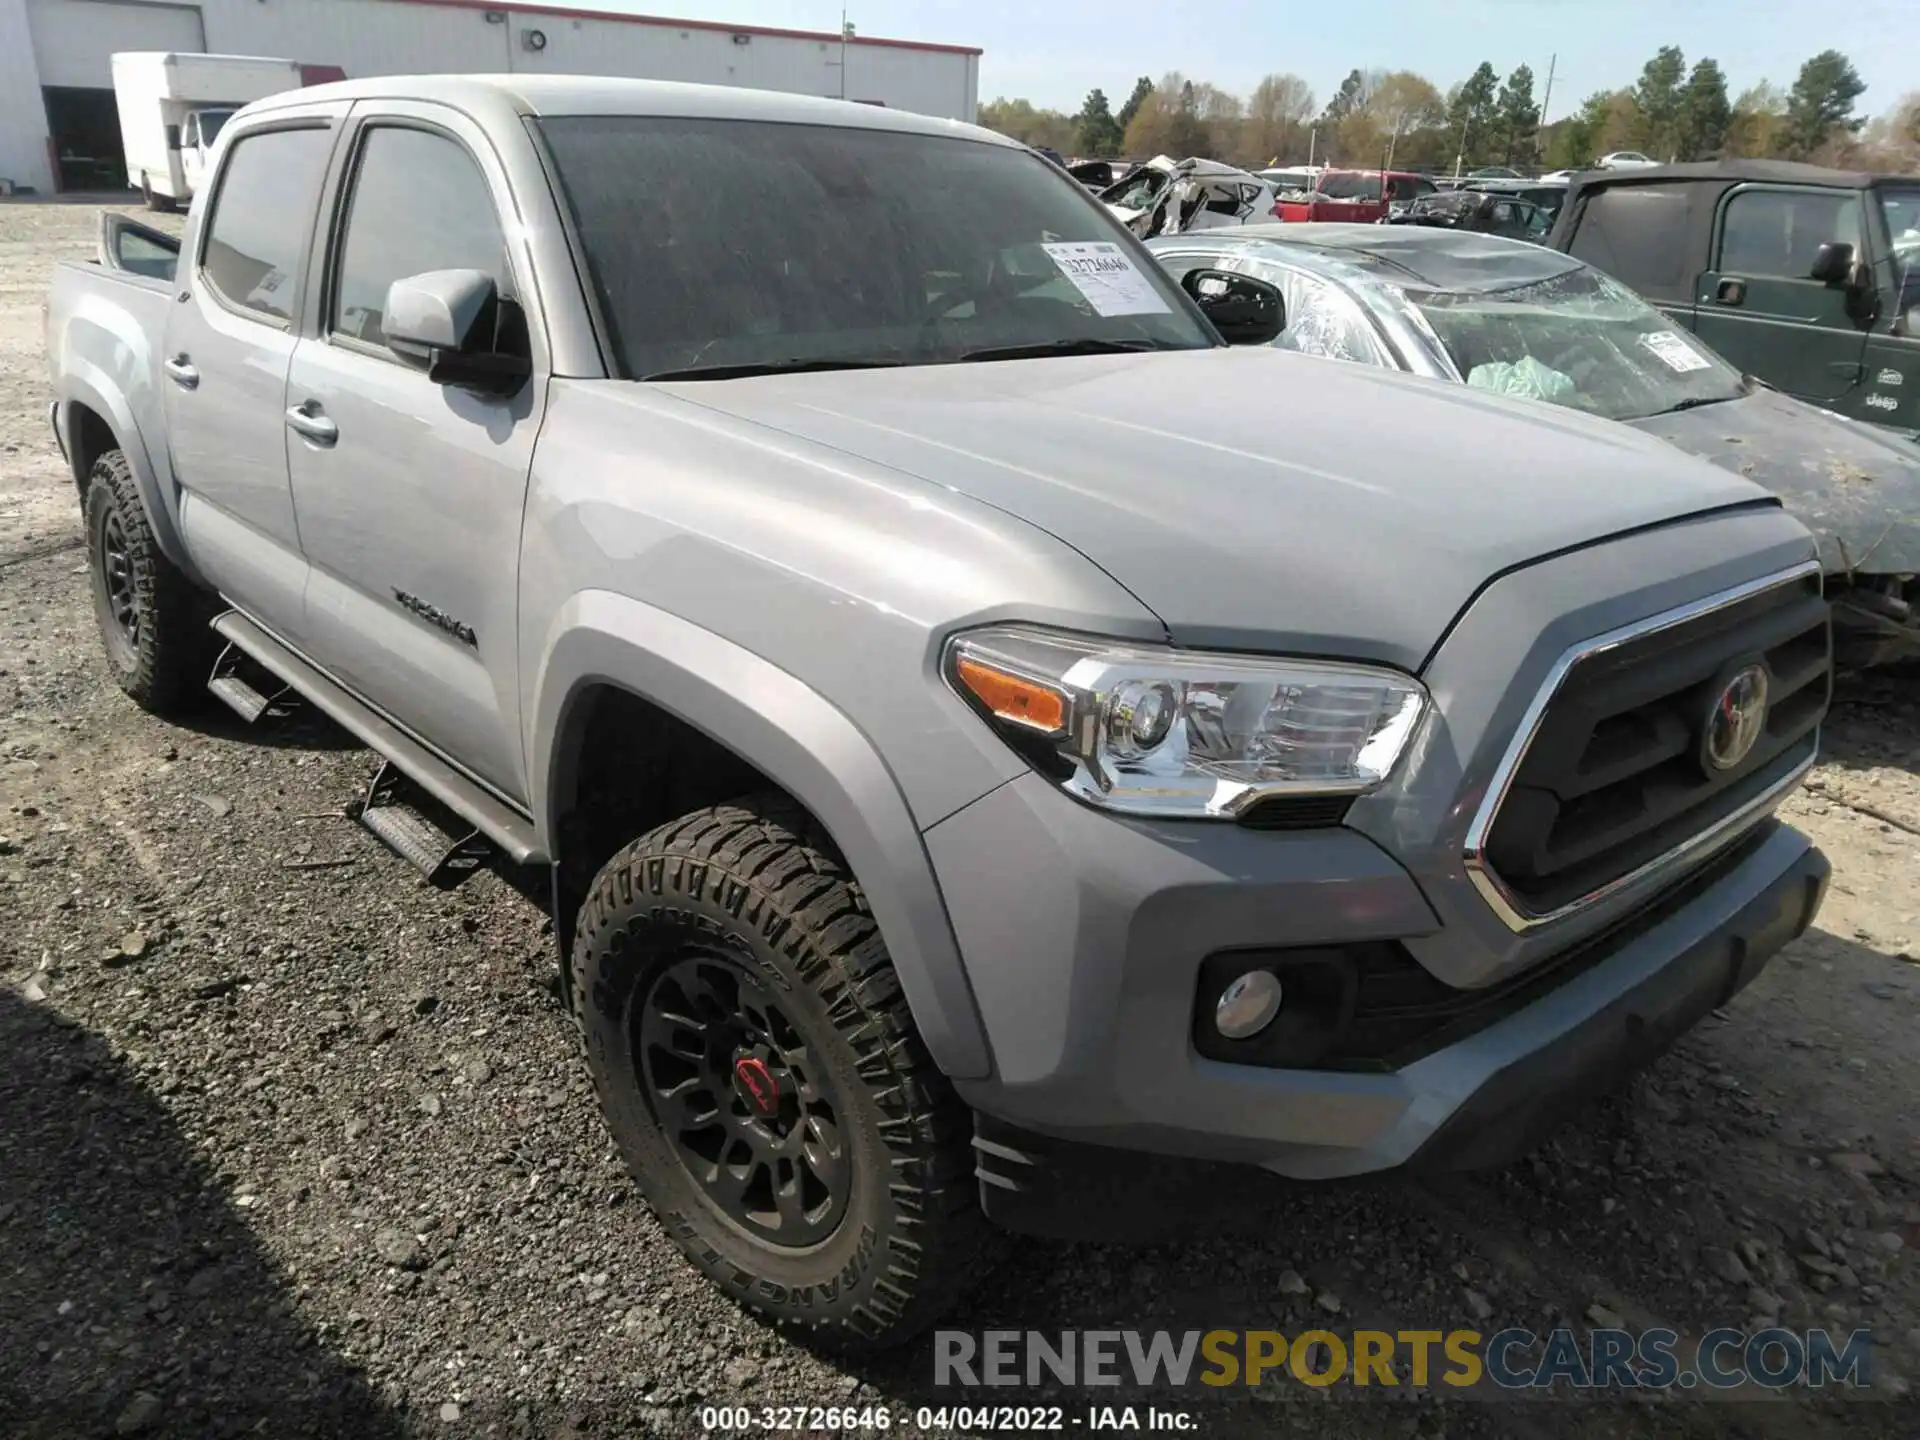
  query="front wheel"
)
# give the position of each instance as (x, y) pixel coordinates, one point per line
(757, 1065)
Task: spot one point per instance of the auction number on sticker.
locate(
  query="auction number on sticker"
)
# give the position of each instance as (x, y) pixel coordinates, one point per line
(1094, 264)
(788, 1418)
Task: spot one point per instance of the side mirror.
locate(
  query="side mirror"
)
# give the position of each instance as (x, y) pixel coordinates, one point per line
(1832, 262)
(1244, 310)
(451, 323)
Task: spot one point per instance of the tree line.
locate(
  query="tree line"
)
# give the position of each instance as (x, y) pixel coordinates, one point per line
(1401, 119)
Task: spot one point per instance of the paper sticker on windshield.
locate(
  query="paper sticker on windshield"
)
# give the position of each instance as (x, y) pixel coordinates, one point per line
(1107, 276)
(1675, 352)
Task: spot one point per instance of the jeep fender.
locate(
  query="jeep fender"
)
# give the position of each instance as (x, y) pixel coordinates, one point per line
(805, 744)
(85, 384)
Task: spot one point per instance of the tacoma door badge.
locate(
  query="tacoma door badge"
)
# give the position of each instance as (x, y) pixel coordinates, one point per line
(439, 618)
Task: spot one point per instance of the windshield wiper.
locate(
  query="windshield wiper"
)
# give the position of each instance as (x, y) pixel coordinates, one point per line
(1696, 401)
(1059, 347)
(768, 367)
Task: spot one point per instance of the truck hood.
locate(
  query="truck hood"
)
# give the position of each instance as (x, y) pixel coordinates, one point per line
(1249, 497)
(1855, 486)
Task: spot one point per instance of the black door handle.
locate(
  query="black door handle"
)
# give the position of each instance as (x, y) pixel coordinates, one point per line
(1731, 292)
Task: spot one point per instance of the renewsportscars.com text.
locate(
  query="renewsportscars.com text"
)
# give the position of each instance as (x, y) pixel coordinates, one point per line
(1508, 1359)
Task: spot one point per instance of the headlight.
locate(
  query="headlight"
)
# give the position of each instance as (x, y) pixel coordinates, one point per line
(1183, 733)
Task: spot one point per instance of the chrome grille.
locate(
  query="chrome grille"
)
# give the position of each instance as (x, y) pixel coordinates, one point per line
(1609, 784)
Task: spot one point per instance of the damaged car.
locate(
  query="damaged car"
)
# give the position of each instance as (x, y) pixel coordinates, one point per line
(1518, 319)
(1174, 197)
(1483, 212)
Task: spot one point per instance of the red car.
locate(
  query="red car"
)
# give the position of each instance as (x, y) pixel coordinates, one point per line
(1358, 196)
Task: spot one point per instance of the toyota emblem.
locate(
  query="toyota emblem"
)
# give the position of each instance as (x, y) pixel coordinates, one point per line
(1738, 716)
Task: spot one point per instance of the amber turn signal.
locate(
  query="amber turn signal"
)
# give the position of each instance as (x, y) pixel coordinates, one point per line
(1013, 697)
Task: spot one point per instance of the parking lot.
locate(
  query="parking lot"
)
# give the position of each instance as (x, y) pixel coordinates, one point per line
(290, 1143)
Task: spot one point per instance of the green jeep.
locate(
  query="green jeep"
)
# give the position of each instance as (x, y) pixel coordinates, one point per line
(1805, 278)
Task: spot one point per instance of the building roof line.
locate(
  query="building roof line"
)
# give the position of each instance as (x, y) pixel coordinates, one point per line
(625, 18)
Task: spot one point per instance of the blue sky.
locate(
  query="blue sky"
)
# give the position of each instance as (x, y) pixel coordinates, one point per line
(1054, 51)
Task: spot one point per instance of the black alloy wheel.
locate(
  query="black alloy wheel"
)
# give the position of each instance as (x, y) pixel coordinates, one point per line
(115, 576)
(748, 1110)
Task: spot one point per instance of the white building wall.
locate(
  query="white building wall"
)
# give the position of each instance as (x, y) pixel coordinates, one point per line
(391, 37)
(932, 82)
(72, 39)
(362, 37)
(23, 119)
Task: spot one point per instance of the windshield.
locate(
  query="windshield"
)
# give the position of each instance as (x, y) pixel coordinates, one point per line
(1581, 340)
(1350, 186)
(211, 122)
(729, 246)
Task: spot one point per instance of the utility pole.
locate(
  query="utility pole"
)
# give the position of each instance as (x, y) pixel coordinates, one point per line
(1546, 99)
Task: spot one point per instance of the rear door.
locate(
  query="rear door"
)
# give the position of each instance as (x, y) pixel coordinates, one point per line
(411, 498)
(223, 370)
(1759, 305)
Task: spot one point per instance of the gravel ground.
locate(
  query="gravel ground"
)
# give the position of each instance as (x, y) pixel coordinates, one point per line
(290, 1144)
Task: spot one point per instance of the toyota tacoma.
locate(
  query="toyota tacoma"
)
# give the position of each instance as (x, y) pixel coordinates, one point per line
(991, 720)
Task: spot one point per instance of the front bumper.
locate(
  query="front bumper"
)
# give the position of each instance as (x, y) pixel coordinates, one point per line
(1084, 934)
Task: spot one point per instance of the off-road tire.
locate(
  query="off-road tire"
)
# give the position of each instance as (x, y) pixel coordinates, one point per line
(165, 663)
(759, 880)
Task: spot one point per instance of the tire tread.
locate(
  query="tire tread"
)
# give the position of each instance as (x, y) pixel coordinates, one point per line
(776, 870)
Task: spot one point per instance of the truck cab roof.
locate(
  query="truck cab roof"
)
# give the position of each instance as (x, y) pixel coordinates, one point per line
(492, 97)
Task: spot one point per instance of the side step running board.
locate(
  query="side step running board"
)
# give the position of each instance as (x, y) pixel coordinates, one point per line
(489, 815)
(233, 689)
(403, 817)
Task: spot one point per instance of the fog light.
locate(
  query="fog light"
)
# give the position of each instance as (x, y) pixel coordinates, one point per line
(1247, 1006)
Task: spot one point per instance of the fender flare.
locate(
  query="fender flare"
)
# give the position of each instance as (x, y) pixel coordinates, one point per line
(798, 738)
(80, 386)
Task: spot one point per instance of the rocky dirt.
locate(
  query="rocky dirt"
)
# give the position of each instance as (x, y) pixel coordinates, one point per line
(290, 1144)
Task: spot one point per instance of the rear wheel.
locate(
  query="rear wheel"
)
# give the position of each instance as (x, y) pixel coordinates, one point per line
(757, 1064)
(153, 620)
(154, 201)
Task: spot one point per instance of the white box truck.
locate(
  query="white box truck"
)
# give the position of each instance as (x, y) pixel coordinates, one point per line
(172, 106)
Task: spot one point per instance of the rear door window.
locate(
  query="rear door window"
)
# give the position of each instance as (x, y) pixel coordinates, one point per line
(262, 215)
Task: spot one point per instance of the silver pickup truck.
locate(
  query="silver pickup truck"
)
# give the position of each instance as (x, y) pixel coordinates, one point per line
(997, 740)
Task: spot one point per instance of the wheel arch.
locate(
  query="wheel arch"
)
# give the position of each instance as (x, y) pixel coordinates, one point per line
(711, 692)
(94, 420)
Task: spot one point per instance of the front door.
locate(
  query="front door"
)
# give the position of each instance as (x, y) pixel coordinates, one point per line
(410, 492)
(1893, 350)
(229, 341)
(1759, 305)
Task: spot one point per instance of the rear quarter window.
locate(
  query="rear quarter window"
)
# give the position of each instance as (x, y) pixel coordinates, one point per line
(1638, 235)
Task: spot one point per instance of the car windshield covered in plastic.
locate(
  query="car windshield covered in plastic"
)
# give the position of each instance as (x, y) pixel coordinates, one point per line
(1577, 339)
(728, 247)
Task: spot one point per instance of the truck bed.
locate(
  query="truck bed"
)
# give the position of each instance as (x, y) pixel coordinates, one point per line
(105, 331)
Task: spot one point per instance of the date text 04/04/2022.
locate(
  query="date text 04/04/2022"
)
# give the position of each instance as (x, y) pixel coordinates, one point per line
(786, 1419)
